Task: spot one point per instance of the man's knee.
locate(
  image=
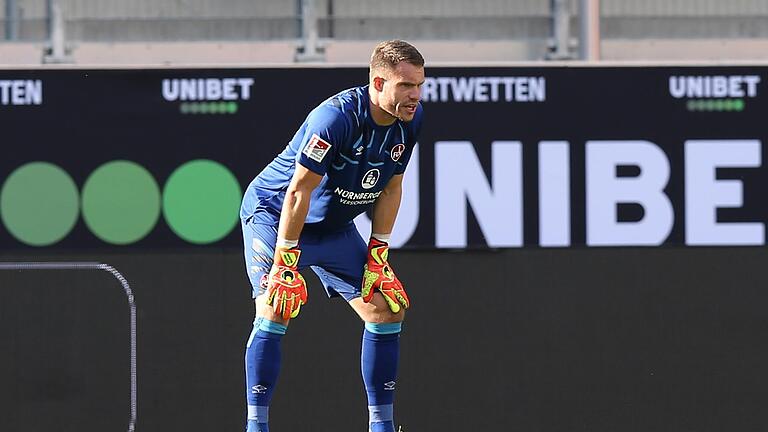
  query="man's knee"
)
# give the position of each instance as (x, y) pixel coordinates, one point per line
(377, 311)
(264, 310)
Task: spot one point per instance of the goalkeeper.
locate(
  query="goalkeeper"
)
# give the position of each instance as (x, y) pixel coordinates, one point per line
(349, 155)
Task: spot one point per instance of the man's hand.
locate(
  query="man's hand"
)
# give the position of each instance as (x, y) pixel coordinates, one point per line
(286, 290)
(378, 275)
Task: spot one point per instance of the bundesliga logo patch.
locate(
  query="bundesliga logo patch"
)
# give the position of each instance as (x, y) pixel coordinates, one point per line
(317, 148)
(397, 151)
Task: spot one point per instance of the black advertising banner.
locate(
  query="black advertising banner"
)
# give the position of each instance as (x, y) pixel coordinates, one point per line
(508, 157)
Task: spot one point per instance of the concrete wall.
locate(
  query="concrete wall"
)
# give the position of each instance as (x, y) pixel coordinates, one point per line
(358, 52)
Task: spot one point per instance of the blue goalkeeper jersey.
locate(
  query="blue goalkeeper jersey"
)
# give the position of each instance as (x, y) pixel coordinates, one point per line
(356, 157)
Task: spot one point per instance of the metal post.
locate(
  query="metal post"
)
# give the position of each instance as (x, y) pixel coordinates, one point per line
(49, 18)
(56, 52)
(11, 20)
(560, 44)
(589, 40)
(309, 50)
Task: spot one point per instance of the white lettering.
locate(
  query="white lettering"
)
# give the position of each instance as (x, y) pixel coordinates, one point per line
(188, 90)
(5, 85)
(752, 82)
(228, 89)
(211, 89)
(537, 89)
(494, 81)
(460, 179)
(484, 89)
(481, 89)
(720, 87)
(695, 86)
(461, 89)
(170, 89)
(509, 86)
(704, 194)
(428, 93)
(34, 92)
(554, 194)
(444, 84)
(21, 92)
(717, 86)
(521, 90)
(245, 87)
(605, 191)
(676, 87)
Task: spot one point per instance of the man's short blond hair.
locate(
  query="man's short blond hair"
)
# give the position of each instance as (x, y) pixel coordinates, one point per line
(388, 54)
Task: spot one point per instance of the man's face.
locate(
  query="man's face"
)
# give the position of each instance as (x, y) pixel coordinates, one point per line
(402, 90)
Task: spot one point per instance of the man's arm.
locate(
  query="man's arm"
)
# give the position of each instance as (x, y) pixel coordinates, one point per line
(386, 206)
(296, 203)
(377, 273)
(286, 289)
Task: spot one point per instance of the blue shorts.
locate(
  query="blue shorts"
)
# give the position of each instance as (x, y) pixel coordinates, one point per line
(337, 258)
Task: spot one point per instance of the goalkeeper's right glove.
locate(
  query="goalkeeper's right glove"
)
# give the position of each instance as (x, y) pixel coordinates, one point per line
(286, 290)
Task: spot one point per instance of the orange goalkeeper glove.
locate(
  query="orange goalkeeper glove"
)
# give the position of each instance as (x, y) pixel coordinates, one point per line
(286, 289)
(378, 275)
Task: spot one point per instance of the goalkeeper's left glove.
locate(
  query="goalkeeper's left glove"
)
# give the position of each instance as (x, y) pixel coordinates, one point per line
(378, 275)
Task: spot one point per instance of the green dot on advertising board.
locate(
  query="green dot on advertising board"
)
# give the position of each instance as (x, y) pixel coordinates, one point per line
(201, 201)
(699, 104)
(121, 202)
(738, 105)
(39, 203)
(232, 107)
(720, 104)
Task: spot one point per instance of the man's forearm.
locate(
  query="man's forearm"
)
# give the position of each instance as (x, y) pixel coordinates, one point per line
(293, 214)
(385, 210)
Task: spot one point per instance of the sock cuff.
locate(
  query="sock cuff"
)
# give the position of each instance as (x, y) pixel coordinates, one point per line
(380, 413)
(272, 327)
(384, 328)
(258, 413)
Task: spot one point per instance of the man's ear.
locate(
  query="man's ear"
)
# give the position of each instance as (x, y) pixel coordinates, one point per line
(378, 83)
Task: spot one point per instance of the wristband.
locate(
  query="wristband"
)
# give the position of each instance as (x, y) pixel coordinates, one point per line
(382, 237)
(286, 244)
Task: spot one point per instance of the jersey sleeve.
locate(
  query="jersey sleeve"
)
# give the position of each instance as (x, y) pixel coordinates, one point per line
(414, 127)
(325, 133)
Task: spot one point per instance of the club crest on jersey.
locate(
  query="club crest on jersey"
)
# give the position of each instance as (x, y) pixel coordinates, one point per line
(317, 148)
(397, 151)
(370, 178)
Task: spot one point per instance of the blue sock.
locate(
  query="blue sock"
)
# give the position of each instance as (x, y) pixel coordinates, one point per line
(378, 363)
(262, 366)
